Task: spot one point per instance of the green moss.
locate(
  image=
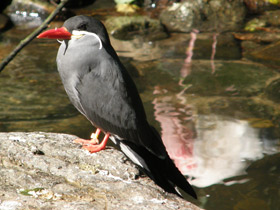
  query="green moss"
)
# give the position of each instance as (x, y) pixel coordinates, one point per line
(26, 192)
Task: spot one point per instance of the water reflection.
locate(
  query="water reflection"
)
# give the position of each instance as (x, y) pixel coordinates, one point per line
(221, 148)
(208, 148)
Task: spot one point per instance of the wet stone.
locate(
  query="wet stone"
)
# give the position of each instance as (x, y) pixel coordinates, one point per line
(182, 17)
(204, 16)
(127, 27)
(28, 13)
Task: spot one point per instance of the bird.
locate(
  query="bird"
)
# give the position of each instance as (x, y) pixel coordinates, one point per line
(101, 89)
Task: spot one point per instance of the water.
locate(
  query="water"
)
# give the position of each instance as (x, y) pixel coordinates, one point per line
(219, 117)
(220, 128)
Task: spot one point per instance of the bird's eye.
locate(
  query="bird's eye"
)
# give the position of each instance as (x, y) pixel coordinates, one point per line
(82, 27)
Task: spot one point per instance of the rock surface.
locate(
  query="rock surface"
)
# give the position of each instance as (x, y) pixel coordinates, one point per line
(213, 15)
(47, 171)
(28, 14)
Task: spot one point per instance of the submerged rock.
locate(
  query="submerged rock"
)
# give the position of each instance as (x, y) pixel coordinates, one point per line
(127, 27)
(266, 53)
(220, 78)
(47, 171)
(177, 46)
(273, 91)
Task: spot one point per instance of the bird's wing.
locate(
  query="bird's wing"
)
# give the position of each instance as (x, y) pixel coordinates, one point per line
(110, 100)
(104, 103)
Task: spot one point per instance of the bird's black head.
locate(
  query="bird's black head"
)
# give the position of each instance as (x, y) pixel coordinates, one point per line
(79, 25)
(89, 24)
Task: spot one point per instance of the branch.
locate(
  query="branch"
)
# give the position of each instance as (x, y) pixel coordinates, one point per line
(31, 36)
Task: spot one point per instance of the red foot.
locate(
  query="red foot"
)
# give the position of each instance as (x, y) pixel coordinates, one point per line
(93, 140)
(92, 145)
(98, 147)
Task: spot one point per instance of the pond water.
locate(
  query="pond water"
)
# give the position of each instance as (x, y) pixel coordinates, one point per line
(218, 114)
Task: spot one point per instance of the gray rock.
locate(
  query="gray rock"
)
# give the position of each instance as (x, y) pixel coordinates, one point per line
(47, 171)
(213, 15)
(182, 17)
(28, 13)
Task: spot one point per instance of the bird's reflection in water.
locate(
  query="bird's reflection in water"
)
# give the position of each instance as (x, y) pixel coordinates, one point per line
(221, 148)
(209, 148)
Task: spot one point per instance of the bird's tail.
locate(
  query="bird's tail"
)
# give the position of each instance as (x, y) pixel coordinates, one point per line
(162, 170)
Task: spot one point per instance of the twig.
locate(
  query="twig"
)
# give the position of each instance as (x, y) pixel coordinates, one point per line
(31, 36)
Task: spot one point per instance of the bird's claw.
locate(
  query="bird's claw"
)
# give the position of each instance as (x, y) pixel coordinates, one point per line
(93, 144)
(98, 147)
(93, 148)
(86, 141)
(93, 139)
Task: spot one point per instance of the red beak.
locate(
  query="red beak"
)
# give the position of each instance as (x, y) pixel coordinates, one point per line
(58, 33)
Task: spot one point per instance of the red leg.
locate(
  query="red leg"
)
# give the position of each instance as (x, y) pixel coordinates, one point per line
(96, 148)
(93, 140)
